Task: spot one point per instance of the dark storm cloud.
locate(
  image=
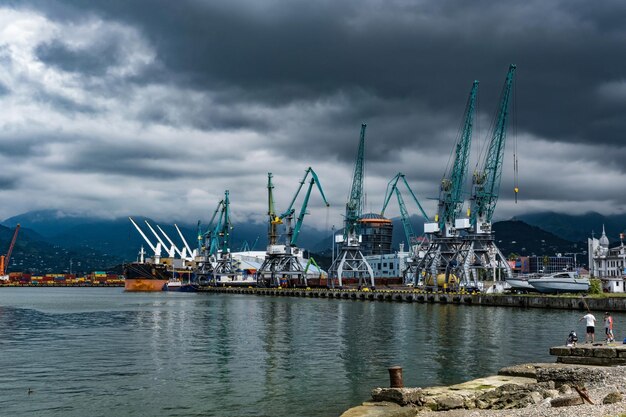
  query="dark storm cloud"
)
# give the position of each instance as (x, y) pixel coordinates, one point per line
(424, 55)
(4, 90)
(64, 104)
(94, 61)
(21, 147)
(8, 182)
(302, 76)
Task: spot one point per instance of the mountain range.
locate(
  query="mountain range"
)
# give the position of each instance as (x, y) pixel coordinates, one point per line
(50, 240)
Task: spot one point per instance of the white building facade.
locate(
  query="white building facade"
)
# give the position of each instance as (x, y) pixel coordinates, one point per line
(605, 262)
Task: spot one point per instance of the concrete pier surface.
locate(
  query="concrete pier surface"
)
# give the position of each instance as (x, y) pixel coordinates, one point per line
(540, 389)
(563, 302)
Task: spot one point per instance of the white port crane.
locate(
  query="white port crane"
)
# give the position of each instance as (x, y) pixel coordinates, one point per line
(181, 253)
(172, 249)
(193, 253)
(155, 248)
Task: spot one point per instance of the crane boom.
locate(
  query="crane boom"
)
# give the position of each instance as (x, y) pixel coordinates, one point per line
(411, 239)
(4, 265)
(225, 226)
(354, 206)
(143, 235)
(451, 190)
(171, 242)
(274, 220)
(486, 182)
(392, 186)
(171, 251)
(314, 180)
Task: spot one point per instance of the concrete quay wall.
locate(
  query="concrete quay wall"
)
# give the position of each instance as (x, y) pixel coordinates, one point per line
(416, 296)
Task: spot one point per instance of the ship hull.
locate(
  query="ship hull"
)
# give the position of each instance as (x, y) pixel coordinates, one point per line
(145, 277)
(142, 284)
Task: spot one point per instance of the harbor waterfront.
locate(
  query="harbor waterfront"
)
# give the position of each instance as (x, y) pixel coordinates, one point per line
(103, 352)
(563, 301)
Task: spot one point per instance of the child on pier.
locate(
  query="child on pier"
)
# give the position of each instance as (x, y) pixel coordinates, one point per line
(572, 339)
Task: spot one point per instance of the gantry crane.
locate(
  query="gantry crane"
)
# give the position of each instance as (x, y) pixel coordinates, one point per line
(350, 262)
(441, 255)
(480, 250)
(6, 259)
(216, 259)
(413, 242)
(282, 260)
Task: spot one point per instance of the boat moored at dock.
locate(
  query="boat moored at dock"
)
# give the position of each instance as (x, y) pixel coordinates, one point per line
(560, 282)
(145, 276)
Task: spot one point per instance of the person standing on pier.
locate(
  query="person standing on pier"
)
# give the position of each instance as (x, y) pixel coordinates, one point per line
(591, 326)
(608, 327)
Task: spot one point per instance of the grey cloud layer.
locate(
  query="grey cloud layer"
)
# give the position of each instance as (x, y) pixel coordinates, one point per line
(227, 89)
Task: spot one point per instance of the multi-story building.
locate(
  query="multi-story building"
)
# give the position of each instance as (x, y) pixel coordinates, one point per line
(605, 262)
(376, 232)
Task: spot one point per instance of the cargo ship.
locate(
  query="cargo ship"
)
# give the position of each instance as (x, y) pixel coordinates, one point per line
(145, 276)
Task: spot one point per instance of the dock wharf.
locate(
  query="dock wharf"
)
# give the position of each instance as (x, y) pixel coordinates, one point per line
(563, 302)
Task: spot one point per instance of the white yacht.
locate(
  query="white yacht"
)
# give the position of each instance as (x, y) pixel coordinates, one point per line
(520, 282)
(559, 282)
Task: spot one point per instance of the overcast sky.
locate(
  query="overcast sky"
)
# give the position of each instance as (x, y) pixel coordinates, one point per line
(154, 108)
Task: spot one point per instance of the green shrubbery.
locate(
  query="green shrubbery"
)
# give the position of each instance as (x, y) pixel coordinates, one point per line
(595, 286)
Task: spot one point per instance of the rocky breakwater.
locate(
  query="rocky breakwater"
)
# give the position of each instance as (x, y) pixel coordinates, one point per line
(525, 390)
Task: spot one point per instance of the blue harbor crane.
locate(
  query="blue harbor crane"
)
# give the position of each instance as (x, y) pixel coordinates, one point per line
(217, 262)
(440, 259)
(414, 244)
(350, 262)
(486, 181)
(453, 183)
(392, 188)
(479, 249)
(282, 261)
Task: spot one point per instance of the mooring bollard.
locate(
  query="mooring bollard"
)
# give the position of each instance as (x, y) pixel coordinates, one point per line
(395, 377)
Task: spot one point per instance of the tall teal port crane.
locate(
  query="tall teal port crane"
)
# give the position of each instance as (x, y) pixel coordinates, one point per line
(281, 260)
(479, 251)
(354, 206)
(218, 261)
(293, 233)
(350, 261)
(442, 254)
(452, 184)
(486, 181)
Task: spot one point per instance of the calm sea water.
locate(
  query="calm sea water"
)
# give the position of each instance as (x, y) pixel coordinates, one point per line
(104, 352)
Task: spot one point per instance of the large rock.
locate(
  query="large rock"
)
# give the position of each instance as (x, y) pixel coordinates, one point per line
(527, 370)
(383, 409)
(449, 402)
(612, 398)
(574, 375)
(567, 401)
(402, 396)
(511, 396)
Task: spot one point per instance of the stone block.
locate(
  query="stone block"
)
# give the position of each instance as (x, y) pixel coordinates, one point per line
(560, 351)
(581, 351)
(449, 402)
(402, 396)
(621, 352)
(567, 401)
(578, 360)
(605, 353)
